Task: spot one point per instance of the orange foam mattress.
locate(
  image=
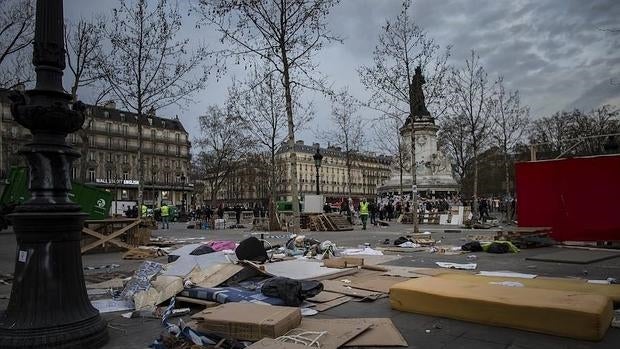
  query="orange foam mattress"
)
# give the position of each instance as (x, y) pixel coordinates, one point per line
(555, 312)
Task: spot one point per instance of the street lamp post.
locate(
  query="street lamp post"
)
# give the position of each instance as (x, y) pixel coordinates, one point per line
(183, 193)
(318, 157)
(49, 307)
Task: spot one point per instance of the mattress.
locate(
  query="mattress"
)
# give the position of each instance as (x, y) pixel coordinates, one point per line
(554, 312)
(572, 285)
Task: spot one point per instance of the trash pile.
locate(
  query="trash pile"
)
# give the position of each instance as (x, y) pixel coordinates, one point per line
(246, 295)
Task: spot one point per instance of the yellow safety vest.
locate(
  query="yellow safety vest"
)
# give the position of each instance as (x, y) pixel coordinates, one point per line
(363, 208)
(144, 210)
(164, 211)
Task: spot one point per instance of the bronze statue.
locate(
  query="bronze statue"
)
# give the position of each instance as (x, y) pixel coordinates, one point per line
(417, 95)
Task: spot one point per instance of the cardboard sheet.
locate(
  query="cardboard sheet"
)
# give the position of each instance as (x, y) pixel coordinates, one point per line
(334, 303)
(324, 296)
(583, 316)
(377, 283)
(575, 256)
(407, 272)
(247, 321)
(381, 333)
(339, 331)
(339, 287)
(268, 343)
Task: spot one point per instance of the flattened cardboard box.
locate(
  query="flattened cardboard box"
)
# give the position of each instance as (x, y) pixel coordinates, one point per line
(248, 321)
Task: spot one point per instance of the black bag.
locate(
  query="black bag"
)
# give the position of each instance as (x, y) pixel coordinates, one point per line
(498, 247)
(202, 249)
(292, 292)
(251, 249)
(400, 240)
(472, 246)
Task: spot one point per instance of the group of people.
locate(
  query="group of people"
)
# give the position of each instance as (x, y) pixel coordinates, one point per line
(209, 214)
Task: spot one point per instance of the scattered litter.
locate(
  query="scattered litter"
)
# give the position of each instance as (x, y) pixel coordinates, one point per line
(308, 312)
(346, 281)
(111, 305)
(106, 267)
(509, 274)
(364, 251)
(409, 244)
(468, 266)
(507, 283)
(472, 257)
(599, 282)
(428, 331)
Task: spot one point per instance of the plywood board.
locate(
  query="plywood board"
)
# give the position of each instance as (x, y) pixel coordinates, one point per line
(408, 272)
(305, 270)
(574, 256)
(381, 333)
(268, 343)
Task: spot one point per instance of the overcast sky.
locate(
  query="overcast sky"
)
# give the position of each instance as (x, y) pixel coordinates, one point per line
(557, 53)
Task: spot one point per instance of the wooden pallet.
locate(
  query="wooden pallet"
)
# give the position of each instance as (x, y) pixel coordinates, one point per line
(328, 222)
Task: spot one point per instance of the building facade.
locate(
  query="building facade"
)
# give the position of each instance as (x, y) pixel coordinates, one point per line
(108, 143)
(367, 172)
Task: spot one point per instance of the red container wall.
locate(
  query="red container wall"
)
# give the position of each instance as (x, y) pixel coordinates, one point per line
(579, 197)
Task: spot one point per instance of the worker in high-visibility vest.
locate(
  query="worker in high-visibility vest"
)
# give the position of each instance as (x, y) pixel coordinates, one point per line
(364, 212)
(143, 211)
(165, 212)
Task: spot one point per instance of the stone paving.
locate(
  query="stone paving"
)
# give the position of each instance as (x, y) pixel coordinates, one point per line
(444, 333)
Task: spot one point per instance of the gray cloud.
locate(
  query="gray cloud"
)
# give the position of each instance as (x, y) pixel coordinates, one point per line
(553, 51)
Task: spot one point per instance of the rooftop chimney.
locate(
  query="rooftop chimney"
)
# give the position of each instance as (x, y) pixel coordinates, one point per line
(316, 145)
(110, 104)
(300, 142)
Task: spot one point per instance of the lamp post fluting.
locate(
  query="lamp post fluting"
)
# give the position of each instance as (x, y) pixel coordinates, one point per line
(49, 307)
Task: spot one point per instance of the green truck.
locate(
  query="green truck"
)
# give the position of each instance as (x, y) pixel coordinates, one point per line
(94, 201)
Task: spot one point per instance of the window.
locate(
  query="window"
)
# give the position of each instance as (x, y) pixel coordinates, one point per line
(178, 137)
(125, 158)
(91, 174)
(125, 130)
(126, 175)
(125, 144)
(167, 177)
(178, 178)
(109, 157)
(91, 156)
(123, 118)
(91, 142)
(153, 134)
(108, 174)
(74, 173)
(109, 142)
(124, 194)
(73, 138)
(106, 114)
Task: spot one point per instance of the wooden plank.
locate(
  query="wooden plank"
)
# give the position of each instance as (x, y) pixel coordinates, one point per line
(107, 238)
(101, 236)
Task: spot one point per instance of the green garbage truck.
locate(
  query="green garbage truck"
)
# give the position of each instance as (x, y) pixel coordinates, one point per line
(94, 201)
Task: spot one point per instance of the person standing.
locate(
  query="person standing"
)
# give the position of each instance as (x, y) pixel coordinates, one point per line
(165, 213)
(238, 214)
(363, 209)
(143, 211)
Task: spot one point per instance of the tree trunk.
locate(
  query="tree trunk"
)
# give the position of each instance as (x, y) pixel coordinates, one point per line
(141, 162)
(475, 211)
(401, 164)
(273, 211)
(349, 174)
(291, 141)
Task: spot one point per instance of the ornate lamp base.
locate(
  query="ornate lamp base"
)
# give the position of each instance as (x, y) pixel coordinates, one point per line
(49, 306)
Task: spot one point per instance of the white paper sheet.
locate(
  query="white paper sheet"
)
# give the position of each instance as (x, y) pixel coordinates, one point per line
(468, 266)
(508, 274)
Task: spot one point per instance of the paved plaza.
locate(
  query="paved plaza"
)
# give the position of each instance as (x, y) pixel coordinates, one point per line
(444, 333)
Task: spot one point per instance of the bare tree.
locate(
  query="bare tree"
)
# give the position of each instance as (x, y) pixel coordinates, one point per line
(510, 123)
(576, 132)
(402, 46)
(387, 138)
(471, 101)
(284, 33)
(348, 132)
(259, 101)
(453, 140)
(16, 35)
(83, 42)
(147, 67)
(223, 144)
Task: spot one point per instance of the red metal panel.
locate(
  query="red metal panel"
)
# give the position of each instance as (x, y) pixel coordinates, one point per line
(579, 197)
